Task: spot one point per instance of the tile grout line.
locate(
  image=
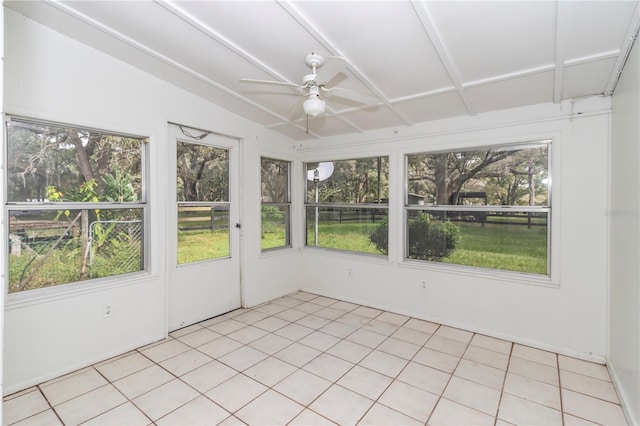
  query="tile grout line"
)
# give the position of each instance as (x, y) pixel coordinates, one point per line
(504, 382)
(335, 382)
(48, 402)
(268, 356)
(121, 393)
(557, 359)
(398, 375)
(450, 376)
(376, 401)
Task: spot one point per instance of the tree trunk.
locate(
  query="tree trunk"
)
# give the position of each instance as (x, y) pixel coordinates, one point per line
(84, 236)
(81, 157)
(442, 179)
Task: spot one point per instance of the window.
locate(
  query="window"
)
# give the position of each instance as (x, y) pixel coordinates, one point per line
(347, 201)
(276, 204)
(203, 202)
(484, 207)
(75, 202)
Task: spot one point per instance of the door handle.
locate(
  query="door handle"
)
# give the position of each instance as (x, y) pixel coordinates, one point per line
(238, 226)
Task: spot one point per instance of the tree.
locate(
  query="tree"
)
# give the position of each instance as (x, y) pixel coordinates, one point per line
(42, 155)
(504, 175)
(203, 172)
(447, 173)
(275, 180)
(363, 180)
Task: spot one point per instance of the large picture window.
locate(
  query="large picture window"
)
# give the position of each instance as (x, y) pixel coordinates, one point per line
(276, 203)
(347, 201)
(484, 207)
(75, 204)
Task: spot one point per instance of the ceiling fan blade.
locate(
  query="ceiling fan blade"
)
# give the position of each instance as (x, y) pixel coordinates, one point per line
(335, 80)
(359, 97)
(273, 83)
(333, 69)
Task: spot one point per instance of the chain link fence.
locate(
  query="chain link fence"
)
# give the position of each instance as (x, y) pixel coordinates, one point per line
(115, 247)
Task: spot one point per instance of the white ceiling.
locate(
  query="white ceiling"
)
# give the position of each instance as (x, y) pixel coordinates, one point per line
(424, 60)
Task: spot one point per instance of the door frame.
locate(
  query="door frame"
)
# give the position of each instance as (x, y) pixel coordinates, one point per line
(196, 135)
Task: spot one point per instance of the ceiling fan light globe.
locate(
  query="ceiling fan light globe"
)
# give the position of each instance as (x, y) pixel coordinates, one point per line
(313, 106)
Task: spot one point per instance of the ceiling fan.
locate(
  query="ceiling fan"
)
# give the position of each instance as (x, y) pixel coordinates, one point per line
(311, 102)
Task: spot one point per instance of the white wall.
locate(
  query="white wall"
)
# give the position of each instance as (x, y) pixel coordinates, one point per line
(49, 76)
(624, 325)
(567, 314)
(3, 232)
(273, 273)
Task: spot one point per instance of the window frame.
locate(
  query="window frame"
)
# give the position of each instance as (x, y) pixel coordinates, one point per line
(336, 205)
(142, 204)
(408, 208)
(280, 204)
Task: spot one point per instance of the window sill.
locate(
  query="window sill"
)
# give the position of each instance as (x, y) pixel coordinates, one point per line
(511, 277)
(342, 254)
(62, 291)
(275, 251)
(483, 273)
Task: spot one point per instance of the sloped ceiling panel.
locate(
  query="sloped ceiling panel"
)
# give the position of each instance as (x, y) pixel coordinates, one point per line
(488, 39)
(423, 60)
(591, 77)
(516, 92)
(444, 105)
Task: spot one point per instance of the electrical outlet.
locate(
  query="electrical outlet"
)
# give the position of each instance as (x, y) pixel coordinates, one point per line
(108, 310)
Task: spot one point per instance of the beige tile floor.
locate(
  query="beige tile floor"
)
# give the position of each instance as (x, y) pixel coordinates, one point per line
(308, 360)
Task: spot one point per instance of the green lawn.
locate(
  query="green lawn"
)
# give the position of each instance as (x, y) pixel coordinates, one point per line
(59, 267)
(506, 247)
(194, 246)
(273, 238)
(345, 236)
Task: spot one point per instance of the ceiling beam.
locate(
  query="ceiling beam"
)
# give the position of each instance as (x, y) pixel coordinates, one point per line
(562, 15)
(592, 58)
(187, 17)
(196, 23)
(625, 49)
(193, 21)
(510, 76)
(424, 15)
(331, 47)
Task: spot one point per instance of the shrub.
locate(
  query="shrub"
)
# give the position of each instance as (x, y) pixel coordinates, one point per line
(380, 237)
(428, 239)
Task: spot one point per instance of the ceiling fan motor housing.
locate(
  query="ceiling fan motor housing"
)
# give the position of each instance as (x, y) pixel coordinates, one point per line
(309, 80)
(314, 60)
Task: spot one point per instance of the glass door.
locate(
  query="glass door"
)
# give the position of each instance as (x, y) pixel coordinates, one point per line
(205, 273)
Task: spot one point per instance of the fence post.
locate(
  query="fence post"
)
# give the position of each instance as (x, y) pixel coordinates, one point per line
(16, 244)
